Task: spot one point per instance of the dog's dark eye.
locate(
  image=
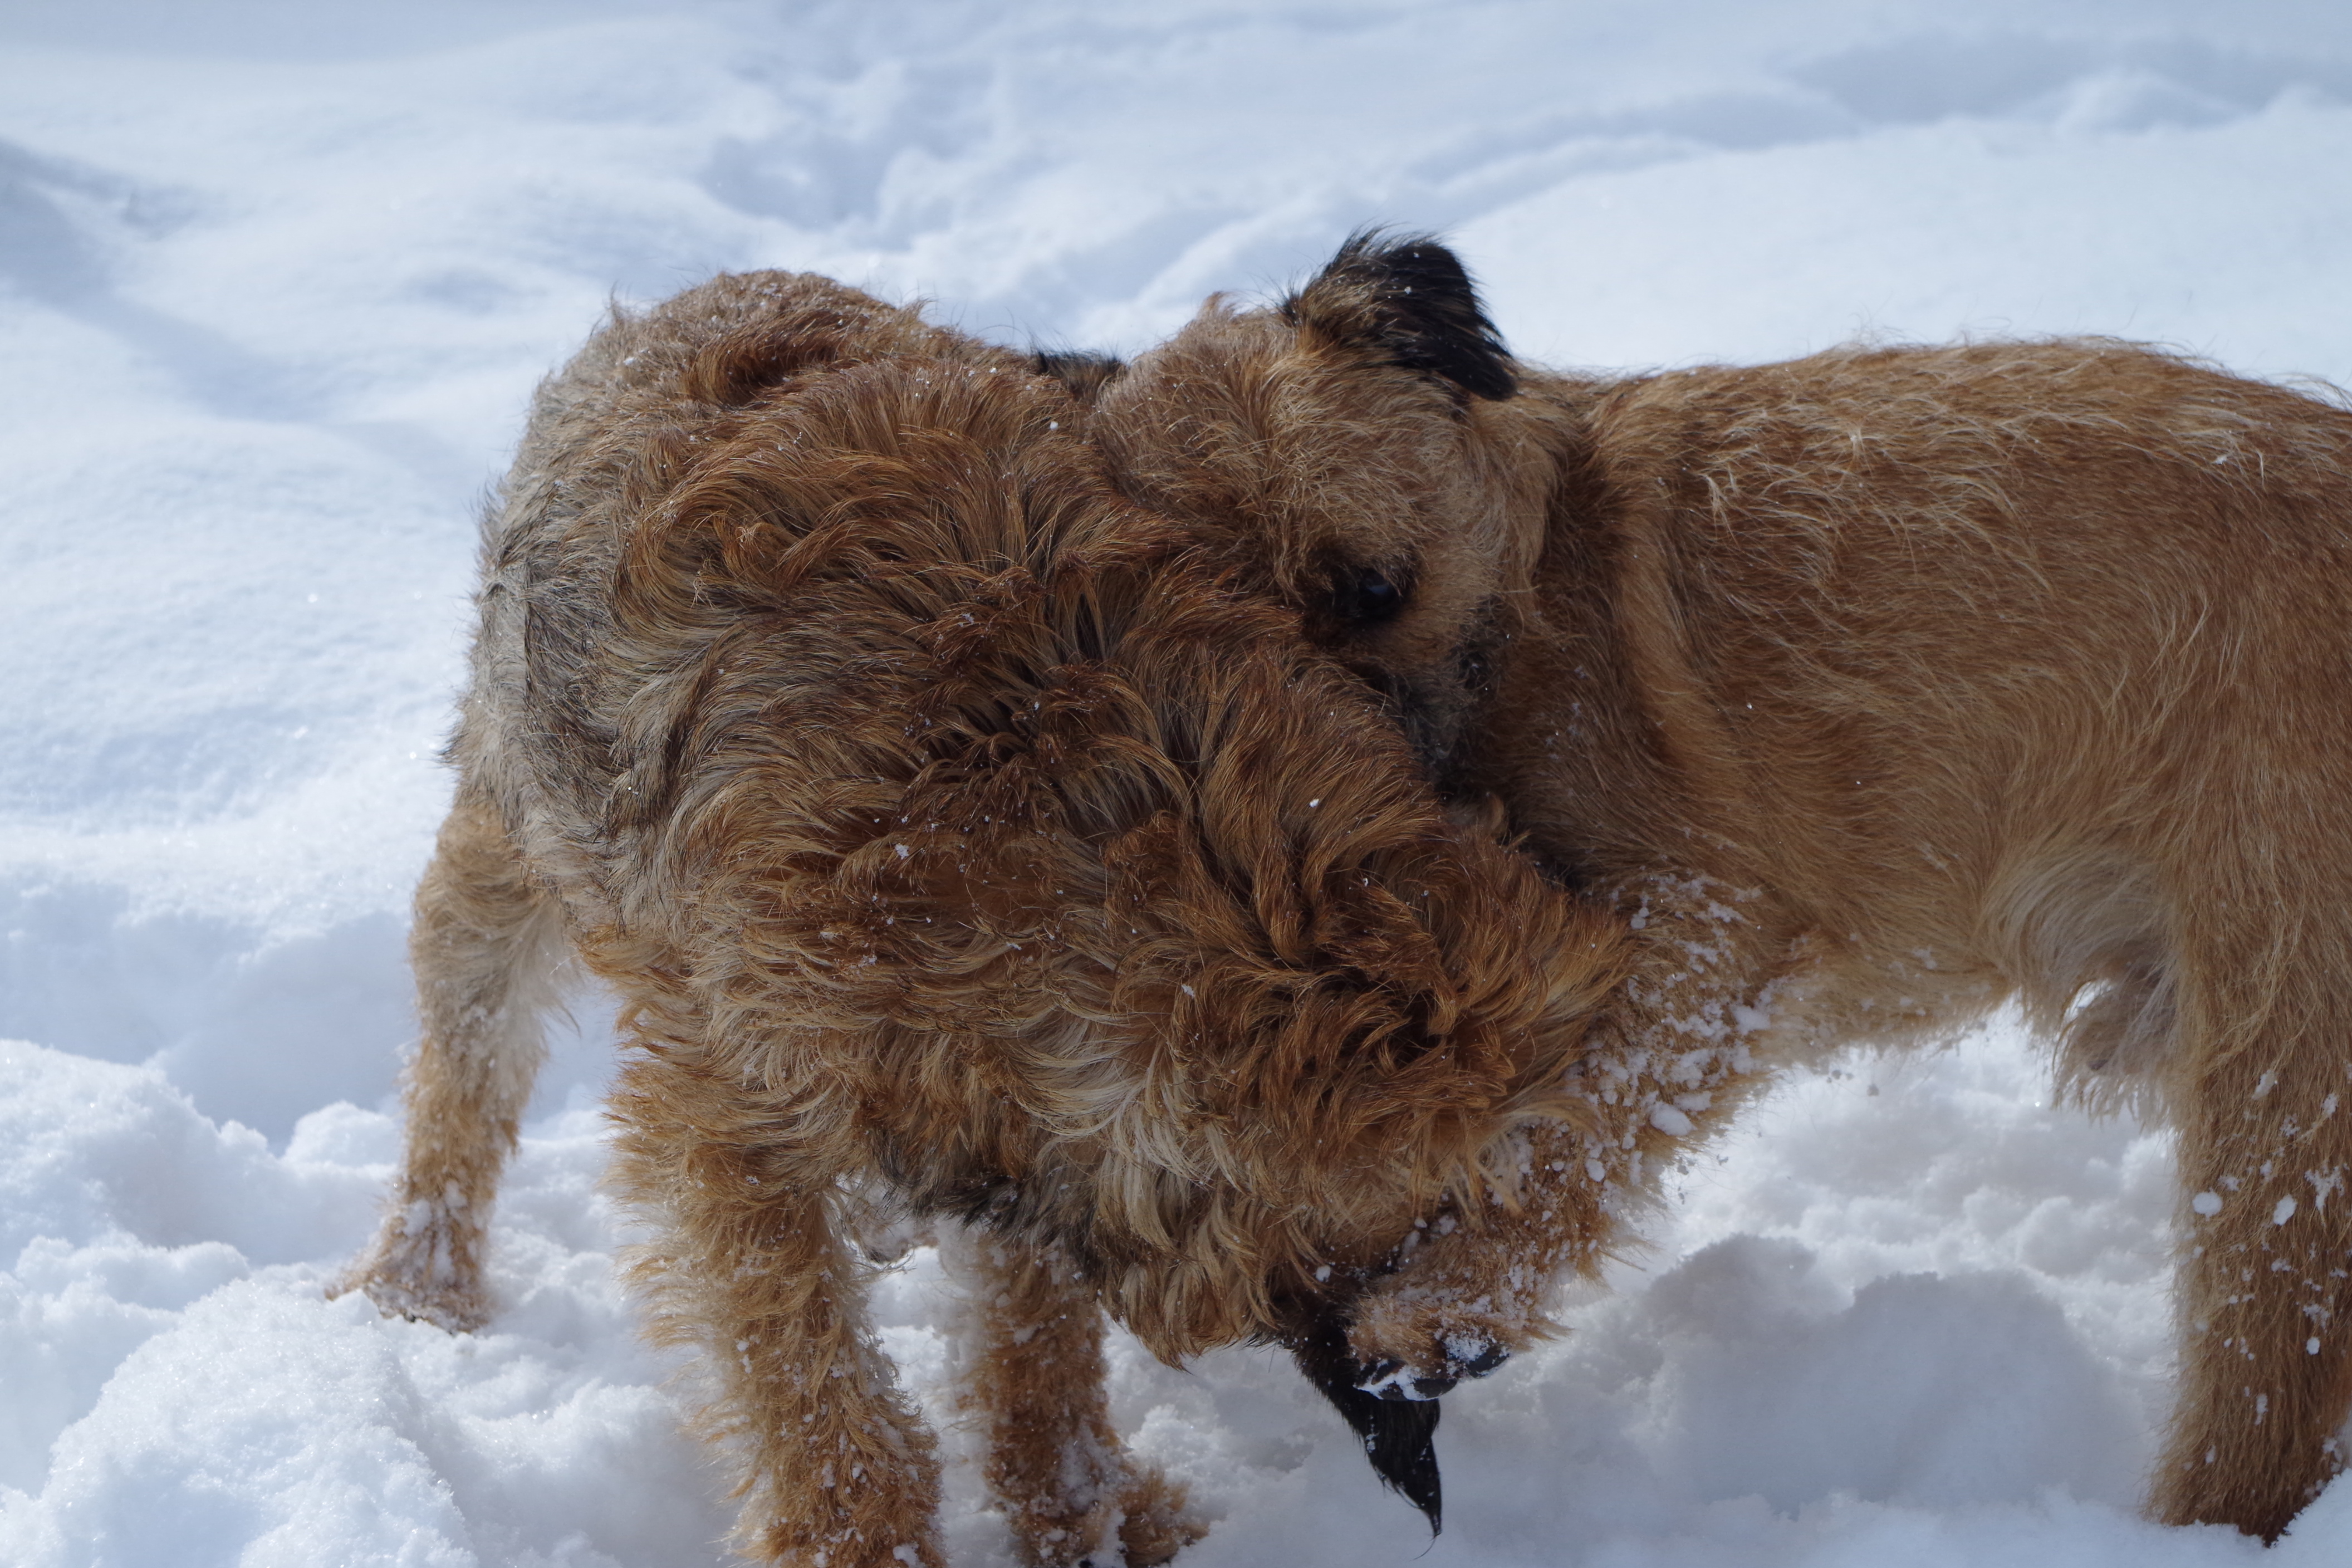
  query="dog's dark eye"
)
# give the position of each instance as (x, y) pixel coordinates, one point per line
(1366, 598)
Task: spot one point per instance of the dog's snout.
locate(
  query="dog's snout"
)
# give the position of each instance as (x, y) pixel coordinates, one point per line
(1484, 1362)
(1392, 1380)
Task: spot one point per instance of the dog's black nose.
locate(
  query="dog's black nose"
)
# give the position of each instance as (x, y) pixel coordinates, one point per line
(1390, 1380)
(1479, 1365)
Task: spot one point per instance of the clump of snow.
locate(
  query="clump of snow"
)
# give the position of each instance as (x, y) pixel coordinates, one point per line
(276, 280)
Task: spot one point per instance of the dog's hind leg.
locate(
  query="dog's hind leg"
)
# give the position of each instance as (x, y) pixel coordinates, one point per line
(2265, 1299)
(752, 1268)
(1035, 1355)
(484, 946)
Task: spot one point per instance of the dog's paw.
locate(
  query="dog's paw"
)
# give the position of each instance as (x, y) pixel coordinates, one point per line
(1133, 1515)
(453, 1311)
(1153, 1525)
(416, 1272)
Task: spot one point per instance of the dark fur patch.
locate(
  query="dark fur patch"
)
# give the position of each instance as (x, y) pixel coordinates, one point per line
(1399, 1435)
(1084, 374)
(1409, 299)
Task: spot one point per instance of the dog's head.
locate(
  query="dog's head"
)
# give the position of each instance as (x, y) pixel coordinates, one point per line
(1362, 446)
(1362, 455)
(1014, 841)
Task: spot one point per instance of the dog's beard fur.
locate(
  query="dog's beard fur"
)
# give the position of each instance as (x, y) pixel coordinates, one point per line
(1398, 1435)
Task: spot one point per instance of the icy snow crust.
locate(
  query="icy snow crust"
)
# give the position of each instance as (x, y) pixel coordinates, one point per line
(275, 282)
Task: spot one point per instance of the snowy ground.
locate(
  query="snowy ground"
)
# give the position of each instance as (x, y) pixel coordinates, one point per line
(274, 281)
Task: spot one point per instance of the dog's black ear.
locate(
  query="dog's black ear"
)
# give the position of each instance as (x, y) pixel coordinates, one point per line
(1399, 1435)
(1407, 298)
(1084, 374)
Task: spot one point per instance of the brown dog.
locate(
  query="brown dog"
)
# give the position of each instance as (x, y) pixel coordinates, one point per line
(1874, 688)
(963, 843)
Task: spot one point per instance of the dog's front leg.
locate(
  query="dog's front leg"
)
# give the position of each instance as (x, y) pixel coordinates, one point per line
(486, 940)
(1034, 1368)
(751, 1266)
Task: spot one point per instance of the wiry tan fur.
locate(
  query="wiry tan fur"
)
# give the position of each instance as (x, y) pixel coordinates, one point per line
(1874, 688)
(963, 842)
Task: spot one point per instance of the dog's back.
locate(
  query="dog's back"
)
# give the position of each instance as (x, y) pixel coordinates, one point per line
(2009, 666)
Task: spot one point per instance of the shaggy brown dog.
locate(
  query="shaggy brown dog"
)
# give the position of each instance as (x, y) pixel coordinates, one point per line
(962, 845)
(1875, 689)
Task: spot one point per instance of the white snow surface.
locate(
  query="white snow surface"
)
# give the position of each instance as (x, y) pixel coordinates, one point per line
(276, 280)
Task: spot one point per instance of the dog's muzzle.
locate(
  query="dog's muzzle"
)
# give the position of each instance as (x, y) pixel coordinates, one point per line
(1393, 1379)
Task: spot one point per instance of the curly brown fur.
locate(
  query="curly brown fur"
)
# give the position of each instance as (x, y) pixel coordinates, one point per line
(962, 841)
(1874, 688)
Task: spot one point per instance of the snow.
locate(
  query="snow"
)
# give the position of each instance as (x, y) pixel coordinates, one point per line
(276, 280)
